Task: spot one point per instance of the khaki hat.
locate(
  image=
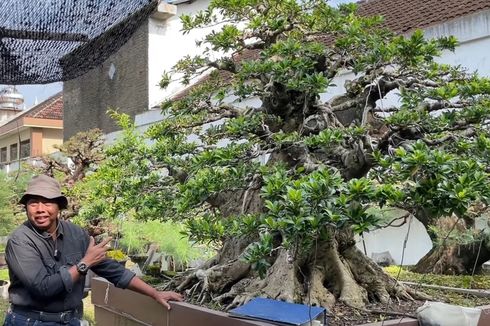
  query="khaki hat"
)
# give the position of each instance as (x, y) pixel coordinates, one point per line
(47, 187)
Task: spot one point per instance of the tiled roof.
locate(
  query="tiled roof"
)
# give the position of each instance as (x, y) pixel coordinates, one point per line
(402, 16)
(49, 113)
(52, 108)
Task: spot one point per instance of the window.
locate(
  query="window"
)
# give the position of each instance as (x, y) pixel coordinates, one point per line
(25, 148)
(14, 153)
(3, 154)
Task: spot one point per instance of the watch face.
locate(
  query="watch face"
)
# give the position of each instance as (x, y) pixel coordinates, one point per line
(82, 267)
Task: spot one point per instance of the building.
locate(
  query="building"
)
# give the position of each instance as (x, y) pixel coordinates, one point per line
(128, 80)
(31, 133)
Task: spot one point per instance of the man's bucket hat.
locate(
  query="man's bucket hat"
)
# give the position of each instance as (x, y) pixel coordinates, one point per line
(47, 187)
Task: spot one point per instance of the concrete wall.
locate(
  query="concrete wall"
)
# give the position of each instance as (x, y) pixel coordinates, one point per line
(167, 45)
(473, 33)
(120, 82)
(392, 239)
(51, 137)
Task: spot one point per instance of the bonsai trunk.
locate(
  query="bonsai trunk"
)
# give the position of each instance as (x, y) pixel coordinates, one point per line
(334, 271)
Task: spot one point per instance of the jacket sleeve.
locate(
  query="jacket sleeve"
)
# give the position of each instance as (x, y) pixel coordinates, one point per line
(114, 272)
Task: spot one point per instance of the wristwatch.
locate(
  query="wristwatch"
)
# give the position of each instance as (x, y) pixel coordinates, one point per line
(82, 268)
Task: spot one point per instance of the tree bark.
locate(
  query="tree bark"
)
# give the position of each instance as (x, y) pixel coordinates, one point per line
(452, 258)
(455, 259)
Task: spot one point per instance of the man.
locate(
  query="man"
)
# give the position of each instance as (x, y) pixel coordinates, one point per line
(48, 259)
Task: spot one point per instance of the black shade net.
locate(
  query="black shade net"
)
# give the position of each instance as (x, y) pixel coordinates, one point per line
(43, 41)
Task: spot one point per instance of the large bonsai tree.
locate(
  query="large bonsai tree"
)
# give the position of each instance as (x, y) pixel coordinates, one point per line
(254, 161)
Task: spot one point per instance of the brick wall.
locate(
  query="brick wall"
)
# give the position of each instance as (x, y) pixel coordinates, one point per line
(87, 98)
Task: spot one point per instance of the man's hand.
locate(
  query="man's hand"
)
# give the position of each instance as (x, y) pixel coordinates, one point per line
(96, 253)
(163, 297)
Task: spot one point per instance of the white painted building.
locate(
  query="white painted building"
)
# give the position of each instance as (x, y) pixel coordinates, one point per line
(167, 45)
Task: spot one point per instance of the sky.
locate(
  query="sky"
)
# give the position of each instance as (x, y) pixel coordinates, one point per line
(39, 93)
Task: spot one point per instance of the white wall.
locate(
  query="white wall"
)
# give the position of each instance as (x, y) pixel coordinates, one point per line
(473, 33)
(142, 122)
(167, 45)
(392, 239)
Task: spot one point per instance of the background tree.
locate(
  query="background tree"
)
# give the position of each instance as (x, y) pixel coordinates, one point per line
(76, 157)
(11, 189)
(283, 186)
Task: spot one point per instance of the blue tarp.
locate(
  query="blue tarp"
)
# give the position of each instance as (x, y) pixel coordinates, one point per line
(278, 311)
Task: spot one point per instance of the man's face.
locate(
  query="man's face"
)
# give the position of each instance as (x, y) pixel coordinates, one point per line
(42, 213)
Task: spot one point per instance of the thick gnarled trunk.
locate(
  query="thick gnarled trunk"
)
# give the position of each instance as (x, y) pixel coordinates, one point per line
(335, 271)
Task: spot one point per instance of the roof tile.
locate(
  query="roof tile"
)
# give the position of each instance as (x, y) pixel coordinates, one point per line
(403, 16)
(52, 108)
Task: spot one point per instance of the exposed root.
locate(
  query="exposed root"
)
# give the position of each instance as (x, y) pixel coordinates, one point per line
(280, 283)
(337, 273)
(341, 279)
(318, 294)
(380, 285)
(237, 289)
(213, 280)
(283, 272)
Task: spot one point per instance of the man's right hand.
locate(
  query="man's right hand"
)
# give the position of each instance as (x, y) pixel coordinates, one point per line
(96, 253)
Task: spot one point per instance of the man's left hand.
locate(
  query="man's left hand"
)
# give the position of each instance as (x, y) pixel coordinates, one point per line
(163, 297)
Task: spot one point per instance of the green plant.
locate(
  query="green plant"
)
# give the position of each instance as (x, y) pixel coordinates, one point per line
(137, 236)
(4, 274)
(11, 189)
(88, 310)
(456, 281)
(4, 305)
(117, 254)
